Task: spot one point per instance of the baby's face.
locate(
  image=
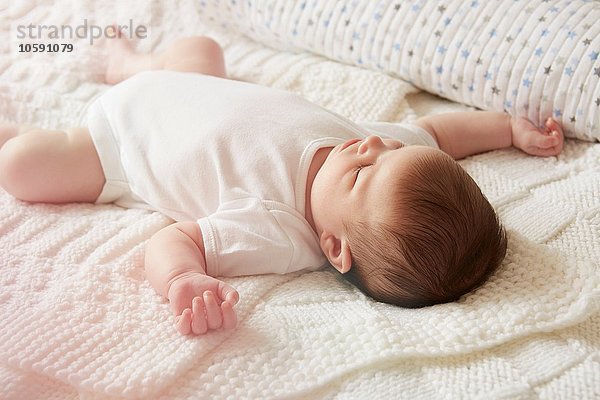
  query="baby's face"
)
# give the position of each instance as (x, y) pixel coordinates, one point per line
(355, 181)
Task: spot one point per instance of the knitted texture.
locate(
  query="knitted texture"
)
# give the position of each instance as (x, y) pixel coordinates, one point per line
(77, 317)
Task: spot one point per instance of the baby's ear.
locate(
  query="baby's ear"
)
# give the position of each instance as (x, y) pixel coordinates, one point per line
(337, 251)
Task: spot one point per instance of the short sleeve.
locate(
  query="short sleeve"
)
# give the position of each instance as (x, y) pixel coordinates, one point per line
(408, 134)
(250, 237)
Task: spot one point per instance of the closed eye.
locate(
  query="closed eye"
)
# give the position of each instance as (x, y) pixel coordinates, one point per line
(358, 172)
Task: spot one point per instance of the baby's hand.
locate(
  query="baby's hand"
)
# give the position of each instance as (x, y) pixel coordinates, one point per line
(201, 302)
(535, 141)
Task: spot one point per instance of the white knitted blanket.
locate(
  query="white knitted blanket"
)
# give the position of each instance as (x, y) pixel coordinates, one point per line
(78, 319)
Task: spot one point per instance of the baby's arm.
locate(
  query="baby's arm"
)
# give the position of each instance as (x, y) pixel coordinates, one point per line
(176, 267)
(466, 133)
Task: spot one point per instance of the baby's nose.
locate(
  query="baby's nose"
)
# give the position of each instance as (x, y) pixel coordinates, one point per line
(372, 142)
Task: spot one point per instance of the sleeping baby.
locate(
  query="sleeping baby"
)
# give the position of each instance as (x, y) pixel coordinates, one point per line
(262, 181)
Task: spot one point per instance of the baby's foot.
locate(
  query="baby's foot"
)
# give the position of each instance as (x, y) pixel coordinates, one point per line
(120, 52)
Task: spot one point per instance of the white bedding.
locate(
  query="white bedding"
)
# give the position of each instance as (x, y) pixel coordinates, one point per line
(77, 318)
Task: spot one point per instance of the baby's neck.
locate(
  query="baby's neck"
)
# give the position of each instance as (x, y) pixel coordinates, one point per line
(315, 165)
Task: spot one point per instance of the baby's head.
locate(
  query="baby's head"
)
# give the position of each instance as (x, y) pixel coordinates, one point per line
(415, 228)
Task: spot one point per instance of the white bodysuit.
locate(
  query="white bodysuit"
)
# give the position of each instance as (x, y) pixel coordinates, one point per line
(232, 155)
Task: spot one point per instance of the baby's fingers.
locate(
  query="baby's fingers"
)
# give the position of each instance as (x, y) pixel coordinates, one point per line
(213, 311)
(228, 293)
(554, 130)
(553, 126)
(229, 317)
(552, 151)
(199, 324)
(547, 141)
(183, 322)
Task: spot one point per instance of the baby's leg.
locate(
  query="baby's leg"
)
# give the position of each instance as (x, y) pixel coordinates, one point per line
(198, 54)
(51, 166)
(7, 131)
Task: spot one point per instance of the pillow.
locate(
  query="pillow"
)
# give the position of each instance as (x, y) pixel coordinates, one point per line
(529, 58)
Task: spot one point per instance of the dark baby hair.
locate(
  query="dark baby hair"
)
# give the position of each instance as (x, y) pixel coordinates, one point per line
(441, 240)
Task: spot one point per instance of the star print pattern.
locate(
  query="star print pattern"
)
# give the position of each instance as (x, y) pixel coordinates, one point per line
(535, 58)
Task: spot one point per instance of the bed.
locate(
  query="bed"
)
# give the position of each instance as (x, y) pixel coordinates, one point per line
(78, 319)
